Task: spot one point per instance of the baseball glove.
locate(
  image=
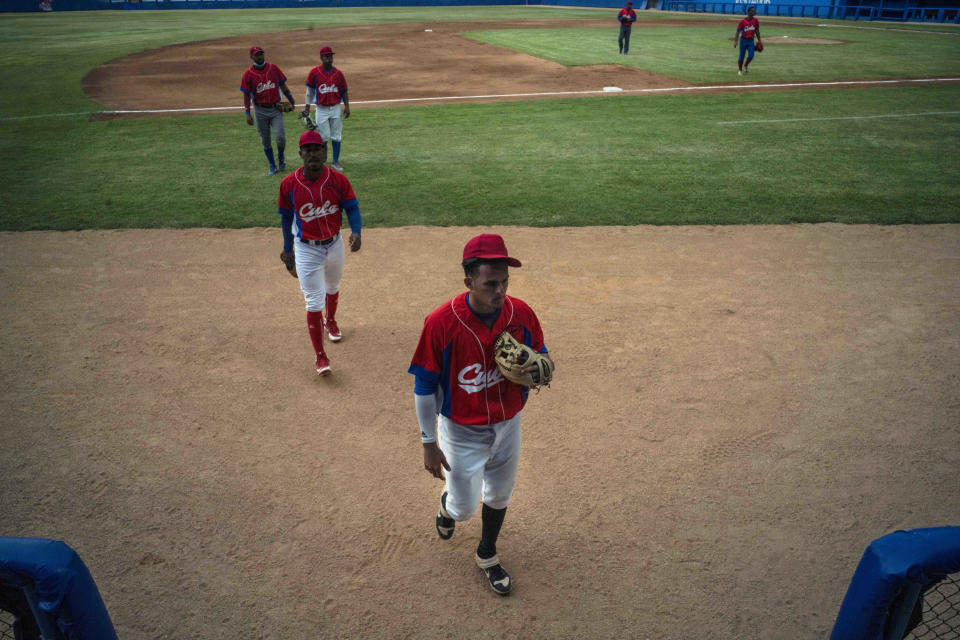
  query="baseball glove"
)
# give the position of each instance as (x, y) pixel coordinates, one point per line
(512, 357)
(284, 107)
(307, 121)
(290, 262)
(759, 47)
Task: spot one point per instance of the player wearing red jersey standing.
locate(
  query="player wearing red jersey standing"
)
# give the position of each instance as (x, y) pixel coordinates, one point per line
(262, 83)
(327, 88)
(479, 410)
(626, 18)
(311, 201)
(748, 32)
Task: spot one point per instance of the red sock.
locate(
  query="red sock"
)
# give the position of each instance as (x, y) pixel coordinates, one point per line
(315, 325)
(740, 65)
(332, 305)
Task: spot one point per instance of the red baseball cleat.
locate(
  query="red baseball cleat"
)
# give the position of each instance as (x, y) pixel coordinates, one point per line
(323, 365)
(333, 331)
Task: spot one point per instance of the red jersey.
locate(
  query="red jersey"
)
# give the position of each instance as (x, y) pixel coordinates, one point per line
(628, 17)
(329, 86)
(456, 351)
(317, 204)
(747, 28)
(263, 85)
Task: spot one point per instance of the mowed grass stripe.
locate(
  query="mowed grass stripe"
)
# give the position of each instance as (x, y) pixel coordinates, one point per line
(608, 161)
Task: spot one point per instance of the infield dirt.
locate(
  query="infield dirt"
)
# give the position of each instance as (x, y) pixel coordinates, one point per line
(382, 63)
(737, 413)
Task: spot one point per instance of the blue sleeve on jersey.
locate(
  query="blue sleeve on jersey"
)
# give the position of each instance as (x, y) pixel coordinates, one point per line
(244, 90)
(352, 208)
(425, 382)
(285, 223)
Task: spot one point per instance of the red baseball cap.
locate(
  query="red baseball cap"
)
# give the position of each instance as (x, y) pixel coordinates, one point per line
(255, 49)
(325, 51)
(489, 246)
(311, 137)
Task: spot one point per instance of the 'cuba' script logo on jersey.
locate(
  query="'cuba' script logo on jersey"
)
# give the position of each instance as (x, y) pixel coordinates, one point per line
(473, 378)
(263, 86)
(327, 88)
(308, 212)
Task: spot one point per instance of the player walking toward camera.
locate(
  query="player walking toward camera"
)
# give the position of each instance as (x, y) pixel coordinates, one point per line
(460, 366)
(310, 203)
(626, 18)
(262, 83)
(327, 88)
(748, 32)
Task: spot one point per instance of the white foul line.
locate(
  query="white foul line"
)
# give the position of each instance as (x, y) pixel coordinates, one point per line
(782, 85)
(885, 115)
(665, 89)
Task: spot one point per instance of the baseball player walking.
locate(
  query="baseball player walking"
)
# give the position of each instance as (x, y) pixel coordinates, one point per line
(310, 203)
(478, 442)
(327, 88)
(748, 31)
(626, 18)
(262, 83)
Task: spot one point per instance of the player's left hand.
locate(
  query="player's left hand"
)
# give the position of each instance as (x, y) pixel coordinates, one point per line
(354, 242)
(534, 368)
(346, 111)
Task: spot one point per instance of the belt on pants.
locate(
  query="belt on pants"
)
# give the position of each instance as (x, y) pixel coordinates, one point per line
(317, 243)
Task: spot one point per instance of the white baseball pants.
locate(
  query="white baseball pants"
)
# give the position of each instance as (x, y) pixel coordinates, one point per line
(483, 464)
(319, 269)
(329, 122)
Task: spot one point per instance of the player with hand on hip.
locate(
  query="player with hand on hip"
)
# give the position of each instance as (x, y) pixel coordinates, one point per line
(626, 18)
(326, 88)
(262, 83)
(459, 388)
(311, 203)
(748, 31)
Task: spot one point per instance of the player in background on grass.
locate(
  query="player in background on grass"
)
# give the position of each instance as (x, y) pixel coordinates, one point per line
(327, 88)
(262, 83)
(748, 33)
(626, 18)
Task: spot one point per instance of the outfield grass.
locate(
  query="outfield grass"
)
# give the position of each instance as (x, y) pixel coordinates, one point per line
(706, 54)
(661, 159)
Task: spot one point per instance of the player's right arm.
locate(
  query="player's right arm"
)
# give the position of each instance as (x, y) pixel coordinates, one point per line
(311, 97)
(427, 373)
(433, 459)
(285, 208)
(246, 98)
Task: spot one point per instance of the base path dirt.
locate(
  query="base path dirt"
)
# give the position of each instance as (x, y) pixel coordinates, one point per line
(737, 412)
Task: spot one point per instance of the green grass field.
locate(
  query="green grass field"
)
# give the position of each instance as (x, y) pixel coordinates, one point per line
(880, 154)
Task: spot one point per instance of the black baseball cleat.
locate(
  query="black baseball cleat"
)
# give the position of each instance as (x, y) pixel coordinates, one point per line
(496, 574)
(445, 523)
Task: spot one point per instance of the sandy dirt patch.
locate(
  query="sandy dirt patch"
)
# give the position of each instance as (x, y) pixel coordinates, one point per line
(737, 413)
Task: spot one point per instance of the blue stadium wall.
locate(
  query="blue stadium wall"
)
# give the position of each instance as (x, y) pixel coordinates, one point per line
(900, 10)
(93, 5)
